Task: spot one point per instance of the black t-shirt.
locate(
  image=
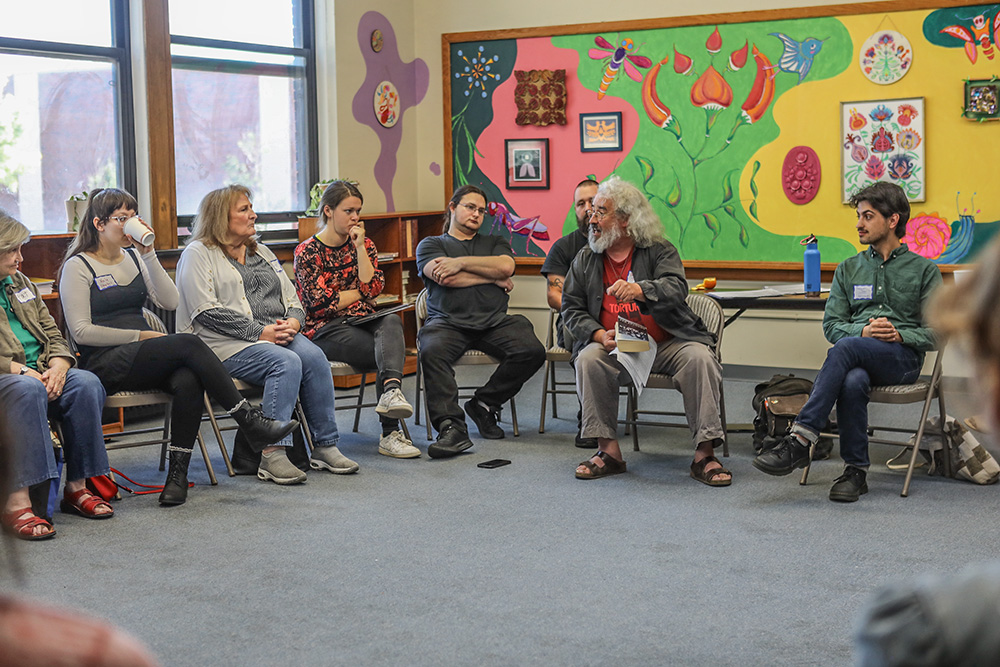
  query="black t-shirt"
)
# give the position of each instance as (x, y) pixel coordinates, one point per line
(477, 307)
(562, 252)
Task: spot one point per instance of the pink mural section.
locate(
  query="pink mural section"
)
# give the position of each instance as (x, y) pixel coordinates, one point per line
(567, 164)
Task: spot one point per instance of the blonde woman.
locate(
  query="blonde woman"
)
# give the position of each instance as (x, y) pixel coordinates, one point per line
(235, 296)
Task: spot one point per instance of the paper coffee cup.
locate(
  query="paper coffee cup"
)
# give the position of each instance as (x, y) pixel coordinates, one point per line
(135, 228)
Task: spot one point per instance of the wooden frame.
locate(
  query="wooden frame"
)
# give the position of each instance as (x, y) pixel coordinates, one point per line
(697, 268)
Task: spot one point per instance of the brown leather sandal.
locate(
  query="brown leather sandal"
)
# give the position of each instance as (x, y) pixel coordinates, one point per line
(612, 466)
(22, 523)
(699, 473)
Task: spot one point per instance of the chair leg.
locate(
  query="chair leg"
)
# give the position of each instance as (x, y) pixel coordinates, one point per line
(632, 416)
(805, 471)
(946, 454)
(555, 396)
(406, 431)
(545, 395)
(306, 433)
(361, 399)
(946, 443)
(513, 417)
(218, 437)
(722, 416)
(416, 408)
(208, 464)
(166, 437)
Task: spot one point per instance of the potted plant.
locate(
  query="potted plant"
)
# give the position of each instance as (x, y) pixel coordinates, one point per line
(76, 208)
(308, 223)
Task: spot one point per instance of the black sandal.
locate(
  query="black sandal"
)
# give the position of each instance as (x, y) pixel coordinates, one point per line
(699, 473)
(612, 466)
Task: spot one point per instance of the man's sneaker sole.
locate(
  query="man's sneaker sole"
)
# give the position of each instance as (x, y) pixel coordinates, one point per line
(396, 412)
(413, 455)
(780, 472)
(848, 497)
(481, 422)
(443, 453)
(284, 481)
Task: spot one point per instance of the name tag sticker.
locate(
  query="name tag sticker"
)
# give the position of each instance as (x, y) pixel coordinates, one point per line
(863, 292)
(276, 265)
(105, 281)
(24, 296)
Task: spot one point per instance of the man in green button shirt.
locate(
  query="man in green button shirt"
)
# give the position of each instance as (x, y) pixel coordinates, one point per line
(874, 318)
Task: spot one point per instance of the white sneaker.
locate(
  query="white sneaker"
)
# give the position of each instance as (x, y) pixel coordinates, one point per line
(397, 446)
(394, 405)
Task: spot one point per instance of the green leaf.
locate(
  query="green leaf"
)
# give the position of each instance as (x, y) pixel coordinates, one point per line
(727, 186)
(713, 224)
(744, 236)
(753, 183)
(728, 208)
(674, 196)
(647, 170)
(753, 211)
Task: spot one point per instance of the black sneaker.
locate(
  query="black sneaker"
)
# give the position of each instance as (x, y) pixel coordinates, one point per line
(452, 440)
(850, 486)
(785, 457)
(485, 418)
(585, 443)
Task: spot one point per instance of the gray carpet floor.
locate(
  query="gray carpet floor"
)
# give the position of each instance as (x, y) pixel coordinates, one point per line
(429, 562)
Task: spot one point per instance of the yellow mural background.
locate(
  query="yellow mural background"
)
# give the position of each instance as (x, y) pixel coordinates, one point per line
(961, 155)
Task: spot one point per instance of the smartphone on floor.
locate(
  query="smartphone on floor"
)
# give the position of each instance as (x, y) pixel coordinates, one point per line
(494, 463)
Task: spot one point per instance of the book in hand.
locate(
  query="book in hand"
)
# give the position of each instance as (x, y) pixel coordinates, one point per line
(631, 336)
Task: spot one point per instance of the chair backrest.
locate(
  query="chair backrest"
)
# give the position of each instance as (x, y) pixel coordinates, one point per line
(420, 308)
(710, 312)
(152, 319)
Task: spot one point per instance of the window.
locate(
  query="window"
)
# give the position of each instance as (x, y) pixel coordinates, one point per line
(244, 100)
(66, 123)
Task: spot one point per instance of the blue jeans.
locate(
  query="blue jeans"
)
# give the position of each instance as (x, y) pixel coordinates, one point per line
(298, 370)
(24, 413)
(852, 366)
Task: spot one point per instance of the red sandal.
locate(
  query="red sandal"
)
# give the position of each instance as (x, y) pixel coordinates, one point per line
(22, 523)
(85, 503)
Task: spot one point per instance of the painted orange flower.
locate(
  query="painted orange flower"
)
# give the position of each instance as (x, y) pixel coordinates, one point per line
(857, 121)
(711, 91)
(907, 113)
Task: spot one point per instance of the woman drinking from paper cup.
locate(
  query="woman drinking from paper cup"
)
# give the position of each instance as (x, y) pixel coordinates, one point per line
(106, 278)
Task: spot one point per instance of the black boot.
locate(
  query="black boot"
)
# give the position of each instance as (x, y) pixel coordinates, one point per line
(260, 430)
(175, 491)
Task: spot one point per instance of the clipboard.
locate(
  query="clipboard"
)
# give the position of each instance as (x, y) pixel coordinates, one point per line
(361, 319)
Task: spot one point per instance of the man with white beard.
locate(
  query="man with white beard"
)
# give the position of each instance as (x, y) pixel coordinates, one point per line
(630, 270)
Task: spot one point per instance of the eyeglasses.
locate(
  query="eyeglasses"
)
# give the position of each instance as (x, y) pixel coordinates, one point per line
(120, 219)
(599, 214)
(475, 209)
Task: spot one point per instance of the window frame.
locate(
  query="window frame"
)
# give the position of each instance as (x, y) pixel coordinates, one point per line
(308, 53)
(120, 55)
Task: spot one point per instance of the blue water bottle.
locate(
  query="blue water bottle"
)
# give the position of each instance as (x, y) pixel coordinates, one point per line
(810, 266)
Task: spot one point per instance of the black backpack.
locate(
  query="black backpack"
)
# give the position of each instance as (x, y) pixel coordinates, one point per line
(776, 403)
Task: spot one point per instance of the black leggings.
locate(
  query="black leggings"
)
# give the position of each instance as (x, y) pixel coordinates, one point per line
(183, 366)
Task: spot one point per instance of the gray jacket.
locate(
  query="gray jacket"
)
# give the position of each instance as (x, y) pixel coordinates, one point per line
(657, 269)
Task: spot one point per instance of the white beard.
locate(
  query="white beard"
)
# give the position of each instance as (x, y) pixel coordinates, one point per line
(607, 239)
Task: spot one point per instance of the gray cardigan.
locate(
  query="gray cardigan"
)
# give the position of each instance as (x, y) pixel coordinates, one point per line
(657, 269)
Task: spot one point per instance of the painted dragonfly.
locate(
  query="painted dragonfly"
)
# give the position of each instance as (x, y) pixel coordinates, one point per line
(618, 58)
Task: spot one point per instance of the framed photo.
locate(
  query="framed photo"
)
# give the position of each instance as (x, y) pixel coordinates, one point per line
(527, 164)
(601, 131)
(883, 140)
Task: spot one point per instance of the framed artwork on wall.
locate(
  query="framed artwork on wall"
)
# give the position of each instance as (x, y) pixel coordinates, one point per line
(883, 140)
(527, 162)
(600, 132)
(982, 99)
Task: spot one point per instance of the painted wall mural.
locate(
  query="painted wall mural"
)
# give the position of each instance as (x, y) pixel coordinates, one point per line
(710, 113)
(390, 88)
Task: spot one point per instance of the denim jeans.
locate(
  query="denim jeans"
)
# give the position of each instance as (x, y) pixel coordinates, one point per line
(298, 370)
(852, 366)
(24, 413)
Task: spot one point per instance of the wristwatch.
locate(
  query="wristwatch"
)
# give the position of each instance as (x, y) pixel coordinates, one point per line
(24, 369)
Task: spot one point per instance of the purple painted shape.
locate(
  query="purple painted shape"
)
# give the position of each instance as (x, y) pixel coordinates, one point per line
(435, 168)
(411, 80)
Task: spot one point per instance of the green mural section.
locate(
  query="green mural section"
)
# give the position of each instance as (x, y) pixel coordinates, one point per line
(706, 100)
